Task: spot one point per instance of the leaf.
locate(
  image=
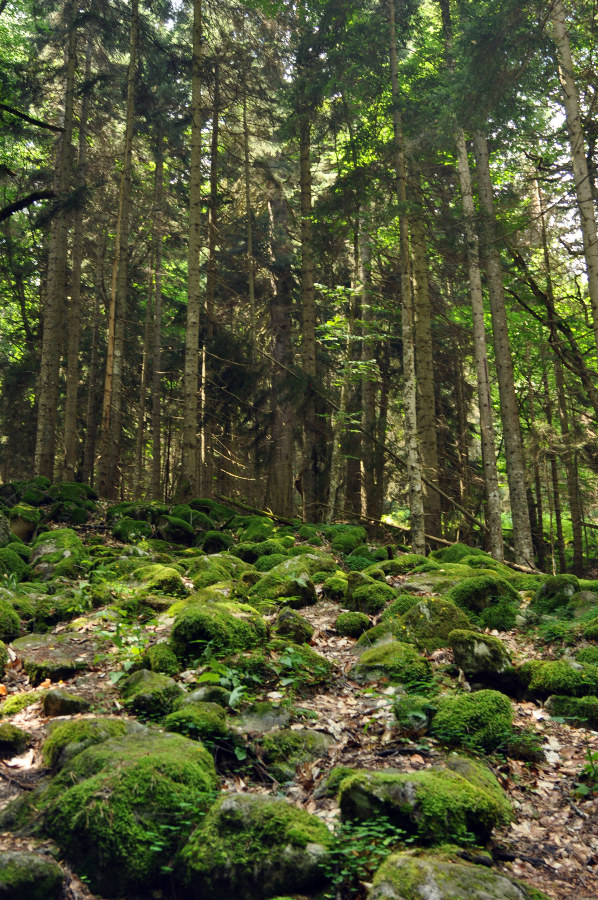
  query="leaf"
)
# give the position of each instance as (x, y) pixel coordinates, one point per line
(211, 677)
(46, 683)
(3, 691)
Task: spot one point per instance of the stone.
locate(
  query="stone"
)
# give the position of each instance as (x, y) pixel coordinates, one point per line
(149, 694)
(13, 740)
(29, 876)
(57, 656)
(61, 703)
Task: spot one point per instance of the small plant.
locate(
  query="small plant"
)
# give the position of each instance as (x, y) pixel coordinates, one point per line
(359, 849)
(129, 637)
(588, 783)
(10, 581)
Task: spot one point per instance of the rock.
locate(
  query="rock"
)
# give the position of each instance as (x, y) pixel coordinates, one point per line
(207, 570)
(163, 579)
(175, 531)
(13, 740)
(581, 712)
(225, 626)
(10, 624)
(206, 693)
(284, 750)
(58, 552)
(367, 595)
(436, 805)
(414, 714)
(29, 876)
(478, 721)
(479, 654)
(290, 624)
(12, 564)
(582, 603)
(61, 703)
(129, 530)
(482, 591)
(555, 592)
(57, 656)
(335, 588)
(430, 621)
(420, 875)
(67, 739)
(24, 520)
(160, 658)
(352, 624)
(149, 694)
(204, 722)
(6, 534)
(216, 541)
(262, 717)
(394, 661)
(250, 847)
(560, 676)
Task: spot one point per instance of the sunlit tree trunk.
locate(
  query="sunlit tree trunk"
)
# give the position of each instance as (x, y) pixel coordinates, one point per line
(416, 497)
(94, 398)
(189, 465)
(515, 460)
(112, 402)
(45, 445)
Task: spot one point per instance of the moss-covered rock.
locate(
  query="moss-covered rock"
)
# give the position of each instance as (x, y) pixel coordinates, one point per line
(160, 658)
(162, 579)
(200, 721)
(414, 714)
(16, 702)
(57, 702)
(119, 809)
(590, 631)
(479, 654)
(292, 625)
(266, 563)
(482, 591)
(390, 627)
(258, 529)
(207, 570)
(393, 661)
(252, 551)
(347, 540)
(560, 676)
(24, 520)
(12, 564)
(58, 552)
(456, 553)
(175, 531)
(6, 534)
(261, 717)
(478, 721)
(13, 740)
(583, 605)
(27, 875)
(588, 655)
(422, 876)
(578, 711)
(554, 592)
(129, 530)
(352, 624)
(284, 750)
(250, 847)
(149, 694)
(67, 739)
(335, 588)
(224, 626)
(435, 805)
(501, 616)
(57, 656)
(52, 609)
(10, 624)
(430, 622)
(216, 541)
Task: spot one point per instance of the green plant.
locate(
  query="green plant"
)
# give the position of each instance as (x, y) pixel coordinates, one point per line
(216, 672)
(129, 637)
(588, 783)
(359, 849)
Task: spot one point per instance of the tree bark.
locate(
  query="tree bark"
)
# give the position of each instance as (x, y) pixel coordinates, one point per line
(156, 389)
(568, 458)
(189, 464)
(45, 445)
(94, 399)
(516, 471)
(369, 374)
(414, 472)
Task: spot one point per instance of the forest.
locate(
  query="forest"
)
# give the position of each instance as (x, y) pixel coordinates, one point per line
(298, 450)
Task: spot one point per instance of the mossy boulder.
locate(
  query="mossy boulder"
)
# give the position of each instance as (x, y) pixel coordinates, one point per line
(418, 875)
(160, 658)
(12, 564)
(57, 656)
(588, 655)
(456, 553)
(367, 595)
(479, 654)
(460, 803)
(400, 605)
(554, 592)
(200, 721)
(414, 714)
(6, 534)
(250, 847)
(24, 520)
(261, 717)
(582, 712)
(129, 530)
(284, 750)
(52, 609)
(252, 551)
(501, 616)
(258, 529)
(149, 694)
(67, 739)
(402, 564)
(430, 622)
(216, 541)
(162, 579)
(175, 531)
(478, 721)
(13, 740)
(560, 676)
(583, 605)
(120, 808)
(57, 702)
(266, 563)
(482, 591)
(335, 588)
(58, 552)
(349, 539)
(26, 875)
(10, 624)
(298, 665)
(352, 624)
(207, 570)
(16, 702)
(224, 626)
(389, 628)
(291, 624)
(392, 661)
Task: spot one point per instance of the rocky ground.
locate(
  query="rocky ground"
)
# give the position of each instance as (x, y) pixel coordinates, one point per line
(134, 642)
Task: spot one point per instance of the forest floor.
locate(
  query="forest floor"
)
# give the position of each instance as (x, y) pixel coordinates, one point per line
(552, 844)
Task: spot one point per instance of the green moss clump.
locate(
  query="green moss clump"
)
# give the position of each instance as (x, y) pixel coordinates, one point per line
(216, 541)
(431, 620)
(163, 579)
(129, 530)
(224, 626)
(51, 609)
(25, 512)
(292, 625)
(414, 714)
(259, 528)
(367, 595)
(202, 721)
(207, 570)
(335, 588)
(590, 632)
(482, 591)
(13, 740)
(352, 624)
(16, 702)
(401, 605)
(57, 553)
(555, 592)
(559, 677)
(30, 876)
(478, 721)
(10, 624)
(284, 750)
(392, 626)
(395, 661)
(349, 539)
(578, 711)
(12, 564)
(435, 805)
(456, 552)
(160, 658)
(479, 654)
(588, 655)
(66, 739)
(253, 846)
(149, 694)
(174, 530)
(300, 666)
(120, 808)
(266, 563)
(252, 551)
(502, 616)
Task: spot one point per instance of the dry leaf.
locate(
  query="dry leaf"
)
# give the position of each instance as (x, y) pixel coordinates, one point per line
(21, 762)
(3, 690)
(46, 683)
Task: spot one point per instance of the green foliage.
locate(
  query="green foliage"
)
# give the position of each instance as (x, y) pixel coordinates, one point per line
(357, 851)
(352, 624)
(478, 721)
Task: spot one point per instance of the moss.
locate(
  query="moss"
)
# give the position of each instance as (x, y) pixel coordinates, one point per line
(414, 714)
(207, 570)
(588, 655)
(405, 562)
(56, 553)
(369, 598)
(299, 666)
(335, 588)
(10, 624)
(392, 626)
(129, 530)
(218, 512)
(52, 609)
(30, 876)
(292, 625)
(306, 532)
(174, 530)
(431, 620)
(25, 512)
(479, 653)
(216, 541)
(12, 564)
(149, 694)
(578, 711)
(590, 631)
(500, 617)
(160, 658)
(284, 750)
(336, 777)
(17, 702)
(66, 739)
(252, 551)
(253, 846)
(347, 540)
(482, 591)
(13, 740)
(163, 579)
(119, 809)
(555, 592)
(559, 677)
(352, 624)
(259, 528)
(224, 626)
(478, 721)
(266, 563)
(401, 605)
(393, 660)
(434, 805)
(456, 552)
(204, 722)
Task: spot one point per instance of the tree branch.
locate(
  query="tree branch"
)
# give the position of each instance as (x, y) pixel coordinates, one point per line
(24, 202)
(30, 119)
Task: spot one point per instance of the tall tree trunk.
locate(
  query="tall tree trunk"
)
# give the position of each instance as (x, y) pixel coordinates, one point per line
(414, 473)
(139, 473)
(74, 308)
(583, 184)
(112, 403)
(369, 376)
(424, 360)
(537, 518)
(94, 399)
(516, 473)
(156, 425)
(568, 458)
(45, 444)
(189, 465)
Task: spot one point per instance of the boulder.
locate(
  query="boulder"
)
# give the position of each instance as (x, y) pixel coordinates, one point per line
(29, 876)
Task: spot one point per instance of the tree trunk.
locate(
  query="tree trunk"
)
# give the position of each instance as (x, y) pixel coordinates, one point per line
(156, 425)
(583, 184)
(94, 399)
(139, 474)
(369, 375)
(414, 473)
(568, 458)
(45, 445)
(112, 403)
(189, 465)
(516, 472)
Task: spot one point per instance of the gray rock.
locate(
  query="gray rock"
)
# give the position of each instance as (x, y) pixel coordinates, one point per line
(29, 876)
(61, 703)
(479, 654)
(56, 656)
(262, 717)
(6, 534)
